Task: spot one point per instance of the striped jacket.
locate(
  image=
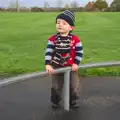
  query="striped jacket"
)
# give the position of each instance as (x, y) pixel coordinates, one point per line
(76, 52)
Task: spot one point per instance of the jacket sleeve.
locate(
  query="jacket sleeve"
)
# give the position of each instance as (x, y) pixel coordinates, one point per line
(49, 51)
(78, 51)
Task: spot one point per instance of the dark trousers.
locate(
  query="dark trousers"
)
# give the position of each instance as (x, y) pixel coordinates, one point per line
(57, 87)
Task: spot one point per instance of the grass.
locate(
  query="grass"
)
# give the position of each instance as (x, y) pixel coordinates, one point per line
(23, 38)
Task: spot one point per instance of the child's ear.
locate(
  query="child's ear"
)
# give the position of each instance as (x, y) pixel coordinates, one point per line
(72, 28)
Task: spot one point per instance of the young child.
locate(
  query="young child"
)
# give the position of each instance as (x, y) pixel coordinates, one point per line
(64, 49)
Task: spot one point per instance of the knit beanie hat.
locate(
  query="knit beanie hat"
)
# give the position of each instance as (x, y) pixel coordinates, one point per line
(68, 16)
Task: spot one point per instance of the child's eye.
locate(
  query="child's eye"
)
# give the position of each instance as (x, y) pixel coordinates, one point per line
(64, 23)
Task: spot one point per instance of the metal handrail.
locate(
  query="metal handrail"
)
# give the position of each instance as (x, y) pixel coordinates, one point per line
(20, 78)
(66, 72)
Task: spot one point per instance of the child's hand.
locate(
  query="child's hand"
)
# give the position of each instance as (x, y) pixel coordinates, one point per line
(74, 67)
(49, 69)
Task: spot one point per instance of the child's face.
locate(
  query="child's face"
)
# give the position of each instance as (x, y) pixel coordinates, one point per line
(62, 26)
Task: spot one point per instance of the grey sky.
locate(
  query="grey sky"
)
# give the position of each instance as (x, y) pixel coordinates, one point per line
(52, 3)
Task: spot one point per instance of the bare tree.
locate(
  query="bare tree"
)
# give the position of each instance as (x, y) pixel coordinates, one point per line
(59, 2)
(14, 4)
(67, 6)
(46, 4)
(17, 5)
(74, 4)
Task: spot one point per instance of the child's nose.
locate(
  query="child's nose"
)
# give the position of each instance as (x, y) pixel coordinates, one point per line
(60, 24)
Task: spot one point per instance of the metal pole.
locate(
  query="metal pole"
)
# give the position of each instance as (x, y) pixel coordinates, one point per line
(20, 78)
(66, 89)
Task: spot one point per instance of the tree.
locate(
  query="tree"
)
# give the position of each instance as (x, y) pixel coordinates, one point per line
(17, 5)
(101, 4)
(66, 6)
(74, 4)
(46, 4)
(116, 0)
(14, 4)
(59, 2)
(115, 5)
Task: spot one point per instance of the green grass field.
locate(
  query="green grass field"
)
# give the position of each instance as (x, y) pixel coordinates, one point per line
(23, 38)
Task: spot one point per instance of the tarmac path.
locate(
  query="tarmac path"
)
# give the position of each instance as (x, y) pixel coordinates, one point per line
(29, 100)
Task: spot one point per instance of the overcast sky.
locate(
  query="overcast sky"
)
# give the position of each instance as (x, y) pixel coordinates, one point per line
(52, 3)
